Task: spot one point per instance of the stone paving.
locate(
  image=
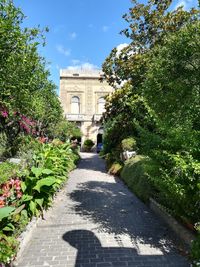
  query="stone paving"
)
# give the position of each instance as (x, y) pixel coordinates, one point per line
(97, 222)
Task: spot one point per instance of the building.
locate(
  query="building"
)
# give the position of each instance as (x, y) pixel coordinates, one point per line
(82, 96)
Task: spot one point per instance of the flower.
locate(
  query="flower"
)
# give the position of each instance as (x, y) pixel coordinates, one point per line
(2, 203)
(4, 114)
(19, 194)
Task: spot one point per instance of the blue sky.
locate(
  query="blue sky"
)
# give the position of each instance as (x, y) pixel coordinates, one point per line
(82, 32)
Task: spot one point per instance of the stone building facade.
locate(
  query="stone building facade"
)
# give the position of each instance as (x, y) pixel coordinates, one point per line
(82, 96)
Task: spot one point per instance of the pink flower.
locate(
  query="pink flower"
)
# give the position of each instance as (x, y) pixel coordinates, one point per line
(6, 194)
(4, 114)
(5, 187)
(19, 194)
(11, 182)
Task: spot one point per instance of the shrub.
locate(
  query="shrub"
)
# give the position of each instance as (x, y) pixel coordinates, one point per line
(176, 177)
(128, 144)
(115, 168)
(88, 144)
(195, 251)
(28, 196)
(52, 163)
(134, 174)
(7, 170)
(3, 143)
(8, 248)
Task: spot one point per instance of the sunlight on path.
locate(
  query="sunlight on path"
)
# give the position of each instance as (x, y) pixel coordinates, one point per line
(97, 222)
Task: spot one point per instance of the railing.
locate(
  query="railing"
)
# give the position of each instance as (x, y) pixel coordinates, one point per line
(83, 117)
(75, 117)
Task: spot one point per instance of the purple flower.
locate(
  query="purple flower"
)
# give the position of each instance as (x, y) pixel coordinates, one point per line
(4, 114)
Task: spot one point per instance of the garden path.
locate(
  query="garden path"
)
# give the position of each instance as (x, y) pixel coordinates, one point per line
(97, 222)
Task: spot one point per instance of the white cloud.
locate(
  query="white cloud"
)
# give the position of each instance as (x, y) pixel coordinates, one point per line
(83, 65)
(75, 61)
(105, 28)
(120, 47)
(181, 3)
(186, 4)
(72, 35)
(65, 51)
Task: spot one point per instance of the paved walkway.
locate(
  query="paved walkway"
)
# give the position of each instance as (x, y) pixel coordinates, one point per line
(97, 222)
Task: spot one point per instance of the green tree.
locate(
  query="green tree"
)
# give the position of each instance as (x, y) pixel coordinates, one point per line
(148, 24)
(27, 97)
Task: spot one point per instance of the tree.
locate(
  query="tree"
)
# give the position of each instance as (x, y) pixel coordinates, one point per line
(28, 98)
(148, 24)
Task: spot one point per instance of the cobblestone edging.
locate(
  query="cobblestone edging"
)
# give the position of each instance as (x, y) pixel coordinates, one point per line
(26, 235)
(182, 233)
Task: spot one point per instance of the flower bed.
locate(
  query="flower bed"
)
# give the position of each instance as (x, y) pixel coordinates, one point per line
(27, 192)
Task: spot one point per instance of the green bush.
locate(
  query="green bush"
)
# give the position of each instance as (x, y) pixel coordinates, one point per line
(128, 144)
(115, 168)
(134, 174)
(32, 194)
(52, 164)
(195, 251)
(8, 248)
(176, 177)
(3, 144)
(88, 144)
(27, 147)
(7, 171)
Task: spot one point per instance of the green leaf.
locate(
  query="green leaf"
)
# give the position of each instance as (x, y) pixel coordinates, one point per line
(36, 171)
(23, 186)
(32, 207)
(9, 227)
(26, 198)
(47, 171)
(39, 201)
(6, 211)
(44, 182)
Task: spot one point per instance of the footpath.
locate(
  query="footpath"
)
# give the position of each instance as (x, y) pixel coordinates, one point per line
(97, 222)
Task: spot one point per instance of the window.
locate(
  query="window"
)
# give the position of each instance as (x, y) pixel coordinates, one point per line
(75, 105)
(101, 105)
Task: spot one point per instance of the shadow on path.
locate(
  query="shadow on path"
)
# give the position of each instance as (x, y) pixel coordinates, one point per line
(91, 161)
(117, 211)
(106, 202)
(90, 253)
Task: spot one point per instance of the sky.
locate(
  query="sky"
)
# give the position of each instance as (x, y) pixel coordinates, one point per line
(82, 33)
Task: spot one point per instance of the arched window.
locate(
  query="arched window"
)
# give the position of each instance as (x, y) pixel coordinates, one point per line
(101, 105)
(75, 105)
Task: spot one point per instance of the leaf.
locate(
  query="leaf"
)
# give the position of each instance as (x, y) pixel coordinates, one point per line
(39, 201)
(44, 182)
(32, 207)
(5, 212)
(36, 171)
(47, 171)
(18, 210)
(23, 186)
(26, 198)
(9, 227)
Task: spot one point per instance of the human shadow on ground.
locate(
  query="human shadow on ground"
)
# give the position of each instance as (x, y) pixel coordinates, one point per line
(90, 253)
(115, 210)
